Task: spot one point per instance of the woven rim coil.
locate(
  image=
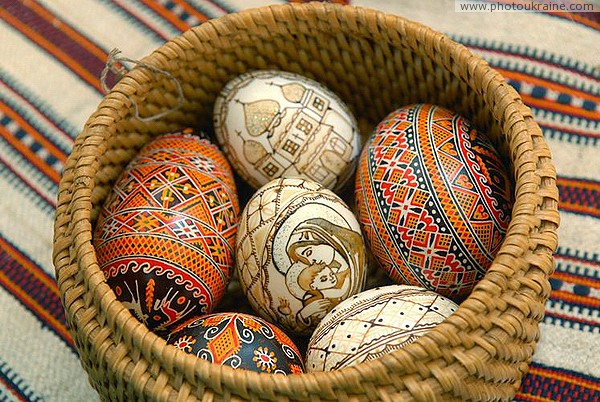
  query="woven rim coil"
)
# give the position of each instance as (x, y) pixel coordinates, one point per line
(376, 63)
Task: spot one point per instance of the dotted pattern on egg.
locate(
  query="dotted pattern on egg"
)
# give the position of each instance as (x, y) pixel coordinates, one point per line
(373, 323)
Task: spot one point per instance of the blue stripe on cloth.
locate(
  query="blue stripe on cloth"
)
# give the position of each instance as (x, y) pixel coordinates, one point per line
(545, 383)
(26, 188)
(557, 60)
(42, 123)
(207, 7)
(584, 139)
(132, 17)
(18, 388)
(41, 105)
(585, 257)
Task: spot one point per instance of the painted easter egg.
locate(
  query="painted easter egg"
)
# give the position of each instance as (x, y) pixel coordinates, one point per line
(241, 341)
(275, 124)
(299, 252)
(166, 233)
(433, 199)
(373, 323)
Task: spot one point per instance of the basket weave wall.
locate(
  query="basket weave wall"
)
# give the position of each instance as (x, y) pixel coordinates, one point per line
(375, 63)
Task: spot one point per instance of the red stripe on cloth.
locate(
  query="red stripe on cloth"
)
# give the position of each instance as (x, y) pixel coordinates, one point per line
(570, 131)
(564, 256)
(572, 318)
(86, 44)
(580, 196)
(12, 389)
(147, 23)
(30, 155)
(35, 289)
(39, 112)
(71, 51)
(50, 202)
(547, 384)
(166, 14)
(48, 146)
(586, 301)
(560, 88)
(577, 279)
(191, 10)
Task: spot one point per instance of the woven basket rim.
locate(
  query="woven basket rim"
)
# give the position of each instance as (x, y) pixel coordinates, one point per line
(218, 377)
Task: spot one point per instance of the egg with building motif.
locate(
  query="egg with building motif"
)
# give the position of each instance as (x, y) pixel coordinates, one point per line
(299, 252)
(274, 124)
(165, 235)
(374, 323)
(434, 199)
(241, 341)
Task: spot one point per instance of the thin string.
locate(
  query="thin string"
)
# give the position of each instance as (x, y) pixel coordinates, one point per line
(114, 64)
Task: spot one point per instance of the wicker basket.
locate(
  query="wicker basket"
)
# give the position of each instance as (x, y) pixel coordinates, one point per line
(375, 63)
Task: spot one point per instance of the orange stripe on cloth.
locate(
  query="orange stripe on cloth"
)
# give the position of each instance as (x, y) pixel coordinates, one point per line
(55, 321)
(580, 196)
(60, 55)
(560, 108)
(38, 309)
(558, 375)
(166, 14)
(519, 76)
(577, 279)
(533, 398)
(39, 137)
(574, 298)
(14, 392)
(591, 185)
(191, 10)
(76, 36)
(31, 156)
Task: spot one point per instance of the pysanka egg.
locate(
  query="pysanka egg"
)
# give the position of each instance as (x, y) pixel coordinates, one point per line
(433, 199)
(166, 233)
(275, 124)
(373, 323)
(241, 341)
(299, 252)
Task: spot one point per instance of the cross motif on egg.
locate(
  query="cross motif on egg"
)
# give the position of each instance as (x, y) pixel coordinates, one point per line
(164, 238)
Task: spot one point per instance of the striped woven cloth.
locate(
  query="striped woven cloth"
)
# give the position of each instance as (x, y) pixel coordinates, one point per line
(52, 53)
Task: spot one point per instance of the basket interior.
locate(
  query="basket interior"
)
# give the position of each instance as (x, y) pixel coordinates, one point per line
(375, 63)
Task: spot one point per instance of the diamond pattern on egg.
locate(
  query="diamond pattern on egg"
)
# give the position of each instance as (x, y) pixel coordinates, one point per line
(373, 323)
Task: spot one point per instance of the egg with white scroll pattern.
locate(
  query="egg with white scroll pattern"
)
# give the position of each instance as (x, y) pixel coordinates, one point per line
(274, 124)
(165, 235)
(373, 323)
(434, 199)
(241, 341)
(299, 252)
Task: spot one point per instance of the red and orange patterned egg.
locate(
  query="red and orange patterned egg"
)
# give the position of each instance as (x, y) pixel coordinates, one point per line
(433, 198)
(241, 341)
(165, 235)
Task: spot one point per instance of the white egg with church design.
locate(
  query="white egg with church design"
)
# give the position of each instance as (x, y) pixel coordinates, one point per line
(274, 124)
(299, 252)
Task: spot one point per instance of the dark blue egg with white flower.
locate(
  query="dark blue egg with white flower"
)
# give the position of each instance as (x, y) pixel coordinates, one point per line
(241, 341)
